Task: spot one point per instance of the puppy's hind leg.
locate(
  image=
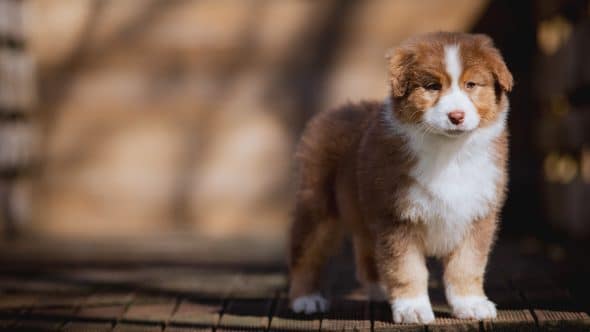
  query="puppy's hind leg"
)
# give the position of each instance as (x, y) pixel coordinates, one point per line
(366, 267)
(313, 241)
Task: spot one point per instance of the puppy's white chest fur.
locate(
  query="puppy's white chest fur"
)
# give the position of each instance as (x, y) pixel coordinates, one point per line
(455, 183)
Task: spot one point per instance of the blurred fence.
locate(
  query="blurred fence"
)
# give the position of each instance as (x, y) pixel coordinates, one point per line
(17, 131)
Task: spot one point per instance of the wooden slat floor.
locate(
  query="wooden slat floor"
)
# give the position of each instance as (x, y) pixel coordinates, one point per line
(45, 290)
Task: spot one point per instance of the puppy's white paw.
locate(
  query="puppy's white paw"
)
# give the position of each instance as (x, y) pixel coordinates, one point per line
(310, 304)
(412, 310)
(473, 307)
(375, 292)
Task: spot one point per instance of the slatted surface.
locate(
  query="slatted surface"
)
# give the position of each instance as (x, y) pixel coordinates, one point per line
(284, 319)
(198, 313)
(193, 296)
(246, 315)
(347, 315)
(113, 309)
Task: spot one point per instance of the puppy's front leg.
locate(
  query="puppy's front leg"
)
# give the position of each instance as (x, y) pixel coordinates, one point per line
(464, 272)
(403, 270)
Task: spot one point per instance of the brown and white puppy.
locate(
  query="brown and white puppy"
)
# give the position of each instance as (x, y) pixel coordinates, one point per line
(421, 174)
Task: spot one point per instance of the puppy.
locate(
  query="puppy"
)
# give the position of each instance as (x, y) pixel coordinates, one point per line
(421, 174)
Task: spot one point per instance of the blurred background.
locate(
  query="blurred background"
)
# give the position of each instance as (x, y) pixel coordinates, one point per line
(146, 156)
(139, 118)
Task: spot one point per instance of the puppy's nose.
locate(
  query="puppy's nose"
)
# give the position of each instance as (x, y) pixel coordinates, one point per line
(456, 117)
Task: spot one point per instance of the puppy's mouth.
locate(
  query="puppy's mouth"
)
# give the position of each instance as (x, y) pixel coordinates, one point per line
(455, 132)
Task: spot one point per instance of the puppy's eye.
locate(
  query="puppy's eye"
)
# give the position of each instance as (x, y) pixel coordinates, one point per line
(433, 86)
(470, 85)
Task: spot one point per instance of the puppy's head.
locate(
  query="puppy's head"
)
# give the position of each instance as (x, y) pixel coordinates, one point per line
(449, 83)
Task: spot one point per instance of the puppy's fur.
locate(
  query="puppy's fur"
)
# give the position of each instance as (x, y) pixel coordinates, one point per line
(410, 179)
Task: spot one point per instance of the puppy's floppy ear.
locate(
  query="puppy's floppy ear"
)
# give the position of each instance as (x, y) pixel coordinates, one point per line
(399, 60)
(496, 62)
(500, 70)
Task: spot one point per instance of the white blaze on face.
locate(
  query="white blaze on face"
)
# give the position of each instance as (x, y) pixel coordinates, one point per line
(453, 99)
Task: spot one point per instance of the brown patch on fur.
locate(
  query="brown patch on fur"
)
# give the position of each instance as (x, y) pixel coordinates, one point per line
(501, 150)
(354, 173)
(413, 66)
(401, 261)
(484, 66)
(349, 212)
(483, 95)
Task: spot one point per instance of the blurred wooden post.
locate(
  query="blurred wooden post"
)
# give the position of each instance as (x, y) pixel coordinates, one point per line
(563, 89)
(17, 135)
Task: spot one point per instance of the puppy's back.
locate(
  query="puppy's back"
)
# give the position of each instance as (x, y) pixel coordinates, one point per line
(328, 138)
